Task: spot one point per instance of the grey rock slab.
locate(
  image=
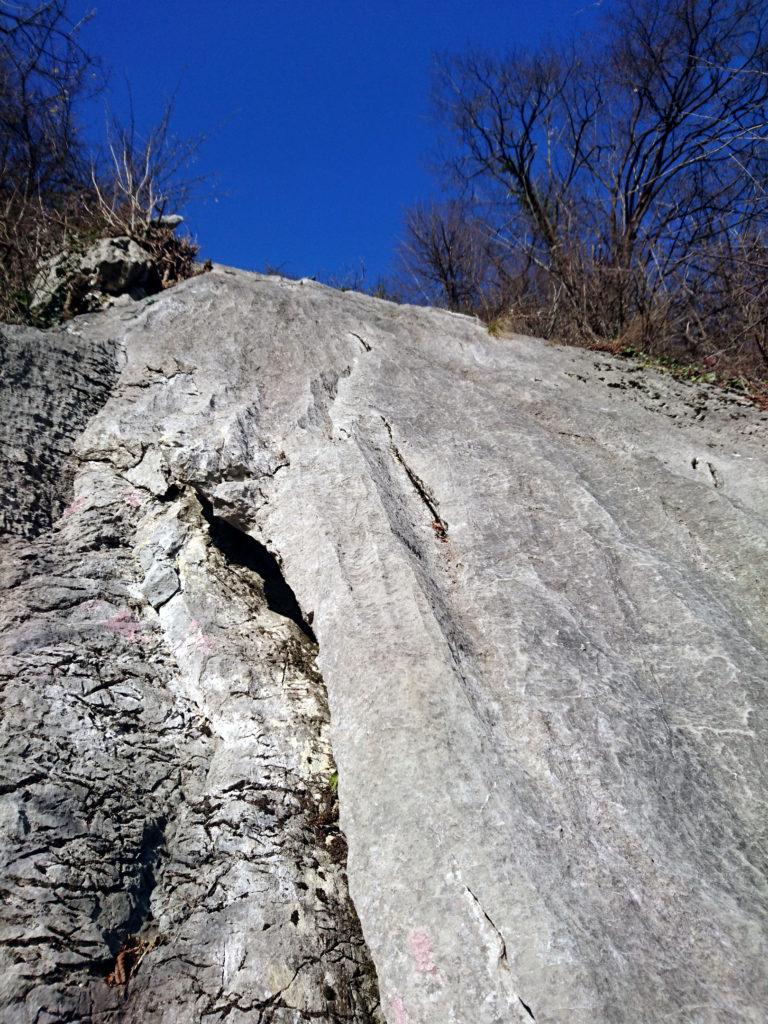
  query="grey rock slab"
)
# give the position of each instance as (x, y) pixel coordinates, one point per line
(51, 384)
(535, 576)
(160, 584)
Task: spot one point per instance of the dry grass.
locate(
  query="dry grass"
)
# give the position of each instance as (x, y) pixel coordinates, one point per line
(35, 231)
(55, 194)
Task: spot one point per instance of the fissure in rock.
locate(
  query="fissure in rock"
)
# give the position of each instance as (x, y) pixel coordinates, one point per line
(242, 549)
(298, 809)
(438, 524)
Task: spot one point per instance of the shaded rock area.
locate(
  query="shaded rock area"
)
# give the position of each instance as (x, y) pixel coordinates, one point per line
(50, 386)
(508, 597)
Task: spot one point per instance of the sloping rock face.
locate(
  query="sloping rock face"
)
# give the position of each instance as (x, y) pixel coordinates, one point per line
(510, 596)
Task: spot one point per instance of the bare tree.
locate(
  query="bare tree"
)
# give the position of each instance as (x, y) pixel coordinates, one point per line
(451, 257)
(54, 193)
(142, 178)
(44, 74)
(620, 168)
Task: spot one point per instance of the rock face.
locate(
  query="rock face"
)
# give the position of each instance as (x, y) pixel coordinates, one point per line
(509, 597)
(50, 387)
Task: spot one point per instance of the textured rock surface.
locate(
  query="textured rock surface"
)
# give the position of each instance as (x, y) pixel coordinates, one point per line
(76, 282)
(50, 386)
(536, 581)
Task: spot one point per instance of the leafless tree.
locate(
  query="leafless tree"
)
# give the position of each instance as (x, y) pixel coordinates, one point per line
(44, 74)
(140, 178)
(451, 257)
(621, 167)
(54, 193)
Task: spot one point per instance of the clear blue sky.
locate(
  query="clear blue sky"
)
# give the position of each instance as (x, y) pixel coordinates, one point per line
(317, 113)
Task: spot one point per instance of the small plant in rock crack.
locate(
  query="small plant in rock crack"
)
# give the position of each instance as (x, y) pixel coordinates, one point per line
(440, 531)
(333, 783)
(128, 958)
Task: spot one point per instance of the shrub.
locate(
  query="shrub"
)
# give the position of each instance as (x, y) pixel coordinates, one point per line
(613, 193)
(54, 194)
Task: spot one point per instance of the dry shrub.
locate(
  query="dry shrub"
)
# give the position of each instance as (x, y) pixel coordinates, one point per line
(54, 195)
(612, 192)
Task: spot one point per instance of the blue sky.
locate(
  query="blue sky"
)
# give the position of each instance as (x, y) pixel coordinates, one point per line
(317, 113)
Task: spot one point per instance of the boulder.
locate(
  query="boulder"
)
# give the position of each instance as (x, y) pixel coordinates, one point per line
(379, 669)
(169, 220)
(79, 281)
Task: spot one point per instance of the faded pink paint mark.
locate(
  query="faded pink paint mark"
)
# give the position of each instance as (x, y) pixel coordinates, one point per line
(74, 507)
(198, 640)
(399, 1011)
(123, 624)
(420, 945)
(133, 498)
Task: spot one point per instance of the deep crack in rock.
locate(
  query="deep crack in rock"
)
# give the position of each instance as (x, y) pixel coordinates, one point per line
(244, 550)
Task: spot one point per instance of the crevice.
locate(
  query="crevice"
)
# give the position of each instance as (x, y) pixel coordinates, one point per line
(714, 474)
(147, 860)
(362, 341)
(240, 548)
(503, 950)
(503, 945)
(170, 495)
(527, 1008)
(438, 524)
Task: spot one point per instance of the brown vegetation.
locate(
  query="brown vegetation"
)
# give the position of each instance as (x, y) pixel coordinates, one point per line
(613, 195)
(54, 194)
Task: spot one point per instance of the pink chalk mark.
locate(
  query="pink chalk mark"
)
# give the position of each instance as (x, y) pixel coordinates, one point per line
(123, 624)
(420, 945)
(74, 507)
(133, 498)
(399, 1011)
(199, 641)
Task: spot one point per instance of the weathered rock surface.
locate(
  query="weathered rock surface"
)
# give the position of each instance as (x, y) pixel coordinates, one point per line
(77, 281)
(50, 387)
(529, 584)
